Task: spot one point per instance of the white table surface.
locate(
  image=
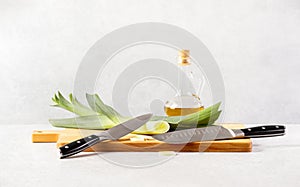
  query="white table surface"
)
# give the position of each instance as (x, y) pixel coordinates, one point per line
(273, 162)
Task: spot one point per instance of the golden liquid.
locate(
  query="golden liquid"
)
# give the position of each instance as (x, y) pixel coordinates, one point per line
(181, 111)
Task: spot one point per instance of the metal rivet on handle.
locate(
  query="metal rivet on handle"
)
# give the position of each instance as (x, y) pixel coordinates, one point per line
(78, 141)
(277, 126)
(263, 128)
(89, 137)
(66, 147)
(249, 129)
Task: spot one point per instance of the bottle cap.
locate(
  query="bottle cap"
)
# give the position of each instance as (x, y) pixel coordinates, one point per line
(184, 57)
(184, 53)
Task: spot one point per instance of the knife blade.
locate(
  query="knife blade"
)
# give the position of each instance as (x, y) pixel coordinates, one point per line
(111, 134)
(219, 133)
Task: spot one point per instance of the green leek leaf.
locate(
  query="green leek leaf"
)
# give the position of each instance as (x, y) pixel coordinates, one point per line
(98, 115)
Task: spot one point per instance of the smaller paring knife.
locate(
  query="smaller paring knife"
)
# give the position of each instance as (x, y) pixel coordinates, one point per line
(114, 133)
(219, 133)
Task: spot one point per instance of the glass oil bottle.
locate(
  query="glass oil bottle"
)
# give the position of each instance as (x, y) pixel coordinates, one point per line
(185, 101)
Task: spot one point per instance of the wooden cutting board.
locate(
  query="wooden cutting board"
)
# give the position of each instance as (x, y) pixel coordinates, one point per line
(142, 143)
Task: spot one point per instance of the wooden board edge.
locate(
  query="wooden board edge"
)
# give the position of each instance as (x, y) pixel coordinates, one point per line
(45, 136)
(158, 147)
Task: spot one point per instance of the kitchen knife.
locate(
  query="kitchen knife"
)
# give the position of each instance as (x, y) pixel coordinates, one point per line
(219, 133)
(111, 134)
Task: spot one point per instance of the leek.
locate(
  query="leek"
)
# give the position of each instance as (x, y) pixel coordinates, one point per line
(101, 116)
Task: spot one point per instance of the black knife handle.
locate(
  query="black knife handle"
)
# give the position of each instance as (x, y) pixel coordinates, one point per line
(78, 146)
(264, 131)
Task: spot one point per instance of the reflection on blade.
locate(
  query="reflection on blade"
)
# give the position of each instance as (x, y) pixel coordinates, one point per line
(126, 127)
(195, 135)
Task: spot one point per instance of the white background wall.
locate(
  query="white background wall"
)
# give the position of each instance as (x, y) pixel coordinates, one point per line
(255, 42)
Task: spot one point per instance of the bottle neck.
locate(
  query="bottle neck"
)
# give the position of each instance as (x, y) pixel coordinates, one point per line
(185, 80)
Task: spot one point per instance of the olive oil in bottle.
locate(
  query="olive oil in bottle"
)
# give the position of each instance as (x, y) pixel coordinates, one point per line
(185, 102)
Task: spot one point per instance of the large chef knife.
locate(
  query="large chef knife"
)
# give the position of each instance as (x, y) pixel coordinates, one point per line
(219, 133)
(110, 134)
